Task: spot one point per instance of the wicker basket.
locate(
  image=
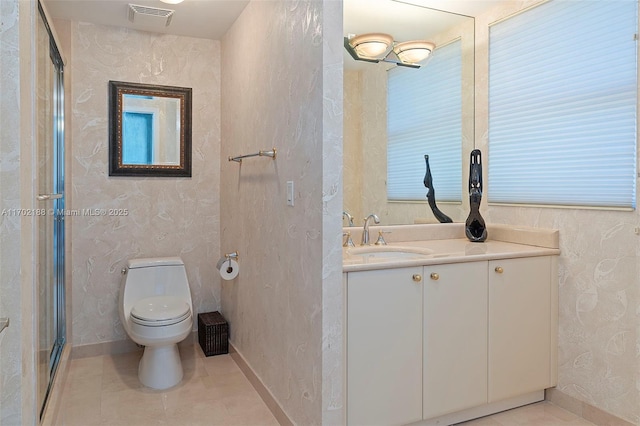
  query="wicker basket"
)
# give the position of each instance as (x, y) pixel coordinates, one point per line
(213, 333)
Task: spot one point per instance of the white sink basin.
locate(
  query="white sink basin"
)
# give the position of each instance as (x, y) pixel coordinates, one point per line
(387, 252)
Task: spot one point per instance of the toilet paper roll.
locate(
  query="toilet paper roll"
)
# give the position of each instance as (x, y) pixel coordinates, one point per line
(228, 268)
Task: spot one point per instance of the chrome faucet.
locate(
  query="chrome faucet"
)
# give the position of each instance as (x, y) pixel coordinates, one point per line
(349, 217)
(365, 229)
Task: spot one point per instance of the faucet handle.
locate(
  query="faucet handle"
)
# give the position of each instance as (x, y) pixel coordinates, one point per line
(349, 241)
(380, 241)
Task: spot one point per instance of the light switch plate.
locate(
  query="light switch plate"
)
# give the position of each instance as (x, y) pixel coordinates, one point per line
(290, 193)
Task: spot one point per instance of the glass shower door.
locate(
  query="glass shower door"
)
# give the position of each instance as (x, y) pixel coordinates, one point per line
(49, 210)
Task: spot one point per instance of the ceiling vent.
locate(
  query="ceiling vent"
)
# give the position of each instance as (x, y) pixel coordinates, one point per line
(150, 16)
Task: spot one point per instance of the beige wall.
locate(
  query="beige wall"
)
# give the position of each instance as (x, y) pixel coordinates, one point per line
(166, 216)
(273, 97)
(599, 276)
(17, 245)
(10, 348)
(333, 351)
(353, 162)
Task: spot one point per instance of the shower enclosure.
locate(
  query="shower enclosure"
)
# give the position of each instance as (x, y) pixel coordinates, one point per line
(49, 211)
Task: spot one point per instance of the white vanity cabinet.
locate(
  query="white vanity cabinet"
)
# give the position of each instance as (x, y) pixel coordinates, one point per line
(450, 342)
(454, 337)
(384, 346)
(520, 326)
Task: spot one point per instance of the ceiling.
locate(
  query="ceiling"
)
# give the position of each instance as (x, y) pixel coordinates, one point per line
(212, 18)
(463, 7)
(193, 18)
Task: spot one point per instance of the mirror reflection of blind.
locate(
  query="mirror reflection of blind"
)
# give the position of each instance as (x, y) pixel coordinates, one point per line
(562, 105)
(137, 130)
(424, 116)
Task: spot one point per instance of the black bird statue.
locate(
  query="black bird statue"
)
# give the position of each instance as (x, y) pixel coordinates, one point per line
(475, 228)
(431, 195)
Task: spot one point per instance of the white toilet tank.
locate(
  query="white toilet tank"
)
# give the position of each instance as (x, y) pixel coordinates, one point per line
(165, 276)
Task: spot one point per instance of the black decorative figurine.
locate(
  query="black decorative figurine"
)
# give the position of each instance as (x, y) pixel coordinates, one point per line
(474, 227)
(431, 195)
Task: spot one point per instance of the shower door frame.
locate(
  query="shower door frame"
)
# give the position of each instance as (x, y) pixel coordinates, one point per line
(56, 213)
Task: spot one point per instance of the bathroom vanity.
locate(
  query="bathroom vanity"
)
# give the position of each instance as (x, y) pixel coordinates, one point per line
(441, 330)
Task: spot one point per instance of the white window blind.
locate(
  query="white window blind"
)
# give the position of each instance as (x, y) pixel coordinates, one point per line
(562, 105)
(424, 116)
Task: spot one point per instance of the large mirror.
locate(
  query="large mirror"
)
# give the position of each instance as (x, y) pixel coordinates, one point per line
(365, 109)
(149, 130)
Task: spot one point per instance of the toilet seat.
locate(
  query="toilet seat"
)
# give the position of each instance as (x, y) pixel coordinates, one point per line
(160, 311)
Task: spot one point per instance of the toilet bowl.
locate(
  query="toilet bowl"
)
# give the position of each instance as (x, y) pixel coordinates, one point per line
(157, 313)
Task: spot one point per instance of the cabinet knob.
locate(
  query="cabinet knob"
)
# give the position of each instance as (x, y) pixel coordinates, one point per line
(417, 277)
(434, 276)
(499, 269)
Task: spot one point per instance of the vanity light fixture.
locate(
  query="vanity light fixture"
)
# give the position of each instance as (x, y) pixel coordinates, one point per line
(414, 51)
(380, 47)
(172, 1)
(374, 46)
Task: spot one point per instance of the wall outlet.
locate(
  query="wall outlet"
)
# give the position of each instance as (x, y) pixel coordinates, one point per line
(290, 193)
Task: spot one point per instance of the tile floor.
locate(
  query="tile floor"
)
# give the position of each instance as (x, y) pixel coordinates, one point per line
(540, 414)
(104, 390)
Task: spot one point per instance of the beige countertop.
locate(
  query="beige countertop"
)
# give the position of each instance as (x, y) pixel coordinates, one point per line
(434, 244)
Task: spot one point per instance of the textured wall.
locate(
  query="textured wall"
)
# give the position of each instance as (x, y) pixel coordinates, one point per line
(599, 285)
(17, 191)
(10, 347)
(273, 97)
(332, 287)
(166, 216)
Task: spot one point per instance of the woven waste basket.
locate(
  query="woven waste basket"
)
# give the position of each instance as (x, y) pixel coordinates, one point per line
(213, 333)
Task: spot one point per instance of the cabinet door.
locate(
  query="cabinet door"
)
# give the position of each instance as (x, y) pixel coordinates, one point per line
(519, 326)
(455, 338)
(384, 347)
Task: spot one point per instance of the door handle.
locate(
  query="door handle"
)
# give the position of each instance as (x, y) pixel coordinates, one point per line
(45, 197)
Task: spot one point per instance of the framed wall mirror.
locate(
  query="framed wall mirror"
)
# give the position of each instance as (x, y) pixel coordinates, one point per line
(149, 130)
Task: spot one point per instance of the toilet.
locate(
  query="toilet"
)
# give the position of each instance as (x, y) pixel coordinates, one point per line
(157, 313)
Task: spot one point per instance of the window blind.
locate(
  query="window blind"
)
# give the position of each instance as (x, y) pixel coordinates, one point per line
(562, 105)
(424, 116)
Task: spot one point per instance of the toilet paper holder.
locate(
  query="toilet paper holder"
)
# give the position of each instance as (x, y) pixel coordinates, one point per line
(235, 256)
(228, 266)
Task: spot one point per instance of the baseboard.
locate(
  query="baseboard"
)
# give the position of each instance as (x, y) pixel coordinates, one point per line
(262, 390)
(116, 347)
(483, 410)
(586, 411)
(104, 348)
